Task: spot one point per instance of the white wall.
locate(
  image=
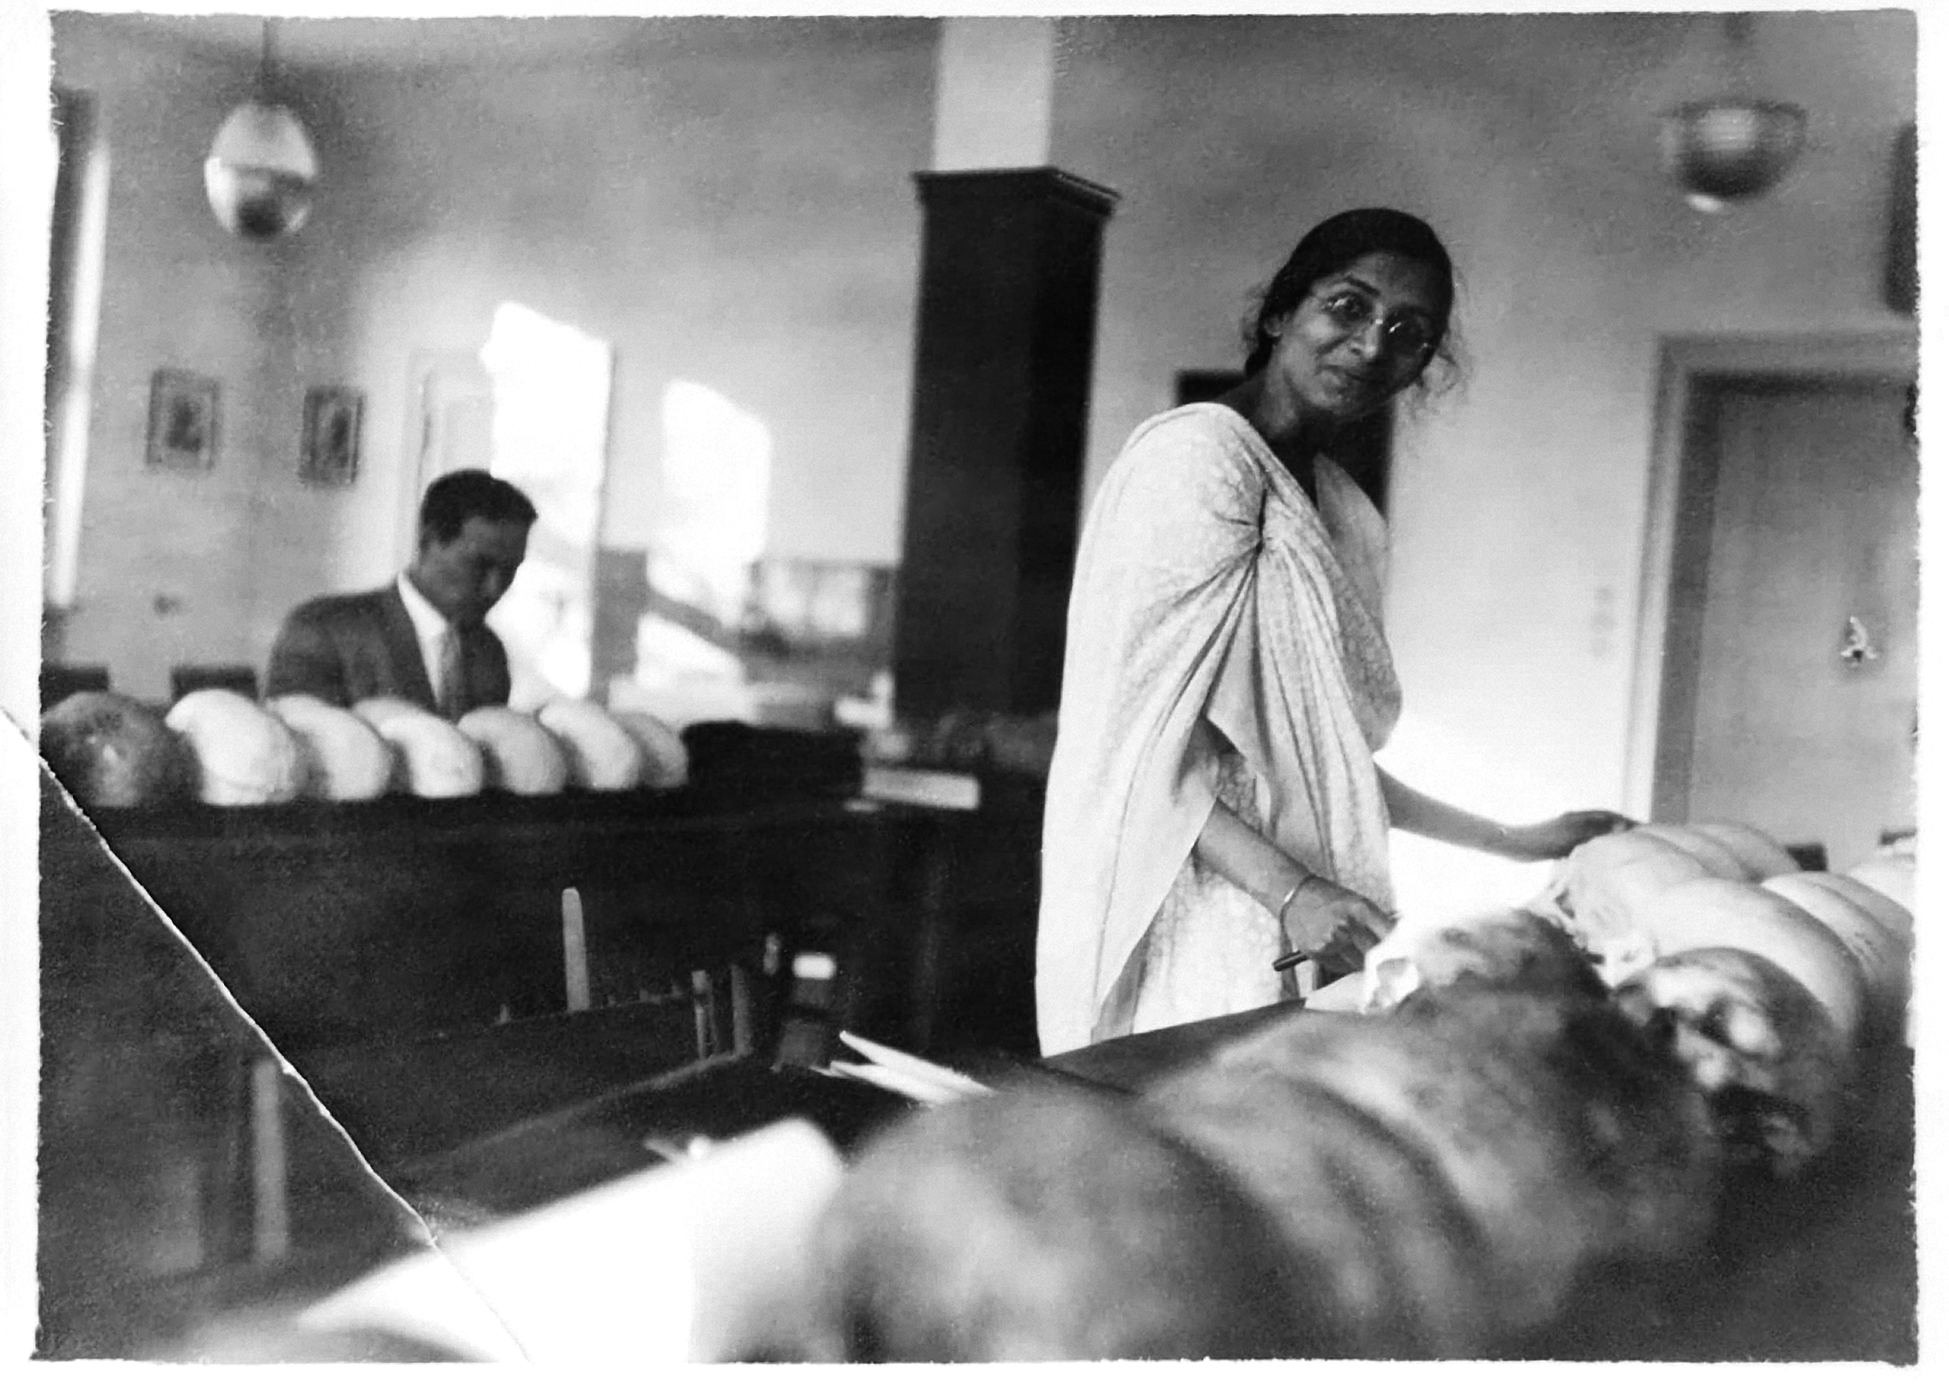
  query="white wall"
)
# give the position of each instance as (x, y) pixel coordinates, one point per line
(725, 204)
(1530, 143)
(168, 562)
(995, 80)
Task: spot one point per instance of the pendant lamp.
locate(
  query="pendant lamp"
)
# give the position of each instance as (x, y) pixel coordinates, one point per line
(1733, 147)
(261, 169)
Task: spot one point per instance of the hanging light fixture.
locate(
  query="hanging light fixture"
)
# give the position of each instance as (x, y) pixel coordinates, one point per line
(261, 169)
(1726, 149)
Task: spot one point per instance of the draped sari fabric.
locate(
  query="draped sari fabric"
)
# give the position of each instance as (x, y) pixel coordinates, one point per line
(1224, 642)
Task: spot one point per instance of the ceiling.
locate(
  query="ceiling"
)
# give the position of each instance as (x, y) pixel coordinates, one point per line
(394, 41)
(404, 39)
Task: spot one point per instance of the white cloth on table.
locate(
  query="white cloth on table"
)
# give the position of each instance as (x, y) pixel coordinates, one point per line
(1224, 643)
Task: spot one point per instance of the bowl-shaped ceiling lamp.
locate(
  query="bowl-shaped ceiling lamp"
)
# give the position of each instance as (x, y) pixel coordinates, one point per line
(261, 169)
(1733, 147)
(1721, 152)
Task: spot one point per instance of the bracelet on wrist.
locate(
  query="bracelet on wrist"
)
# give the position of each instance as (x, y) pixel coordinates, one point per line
(1306, 877)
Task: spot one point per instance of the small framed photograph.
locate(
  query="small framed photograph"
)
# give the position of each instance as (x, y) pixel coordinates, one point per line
(182, 421)
(333, 416)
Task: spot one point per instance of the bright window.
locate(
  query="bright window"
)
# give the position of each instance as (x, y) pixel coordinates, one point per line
(551, 439)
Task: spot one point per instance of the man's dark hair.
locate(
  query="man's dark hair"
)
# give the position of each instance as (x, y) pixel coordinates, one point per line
(453, 498)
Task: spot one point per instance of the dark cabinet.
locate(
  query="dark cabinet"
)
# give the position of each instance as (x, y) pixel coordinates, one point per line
(1007, 328)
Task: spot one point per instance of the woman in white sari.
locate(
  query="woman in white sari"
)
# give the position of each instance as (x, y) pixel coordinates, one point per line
(1214, 804)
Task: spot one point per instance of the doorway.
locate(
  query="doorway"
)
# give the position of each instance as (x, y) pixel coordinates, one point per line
(1777, 641)
(532, 407)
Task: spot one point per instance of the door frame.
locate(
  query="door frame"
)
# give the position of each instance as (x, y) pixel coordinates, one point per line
(1691, 368)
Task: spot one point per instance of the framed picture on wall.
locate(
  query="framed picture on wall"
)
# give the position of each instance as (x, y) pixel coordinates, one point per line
(333, 416)
(182, 421)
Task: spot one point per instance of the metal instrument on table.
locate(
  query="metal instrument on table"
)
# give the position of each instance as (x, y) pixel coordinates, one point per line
(889, 1068)
(575, 950)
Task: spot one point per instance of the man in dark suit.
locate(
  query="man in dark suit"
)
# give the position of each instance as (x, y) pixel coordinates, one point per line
(424, 637)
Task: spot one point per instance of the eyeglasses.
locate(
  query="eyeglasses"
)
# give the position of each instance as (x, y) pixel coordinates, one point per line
(1404, 335)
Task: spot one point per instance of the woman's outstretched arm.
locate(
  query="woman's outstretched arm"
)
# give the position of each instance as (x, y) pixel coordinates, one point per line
(1414, 811)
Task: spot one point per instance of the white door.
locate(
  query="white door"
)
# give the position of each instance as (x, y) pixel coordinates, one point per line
(1803, 712)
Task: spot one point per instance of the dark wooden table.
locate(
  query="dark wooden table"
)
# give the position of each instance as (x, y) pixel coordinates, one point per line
(157, 1205)
(341, 923)
(336, 924)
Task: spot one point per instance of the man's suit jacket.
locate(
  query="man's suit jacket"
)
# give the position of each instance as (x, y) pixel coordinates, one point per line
(344, 648)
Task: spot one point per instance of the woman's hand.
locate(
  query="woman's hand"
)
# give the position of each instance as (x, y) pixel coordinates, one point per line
(1552, 840)
(1556, 838)
(1333, 925)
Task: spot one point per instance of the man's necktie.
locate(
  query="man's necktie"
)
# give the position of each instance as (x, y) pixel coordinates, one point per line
(453, 676)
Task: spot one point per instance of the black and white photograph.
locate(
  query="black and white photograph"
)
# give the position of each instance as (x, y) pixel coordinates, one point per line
(1110, 689)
